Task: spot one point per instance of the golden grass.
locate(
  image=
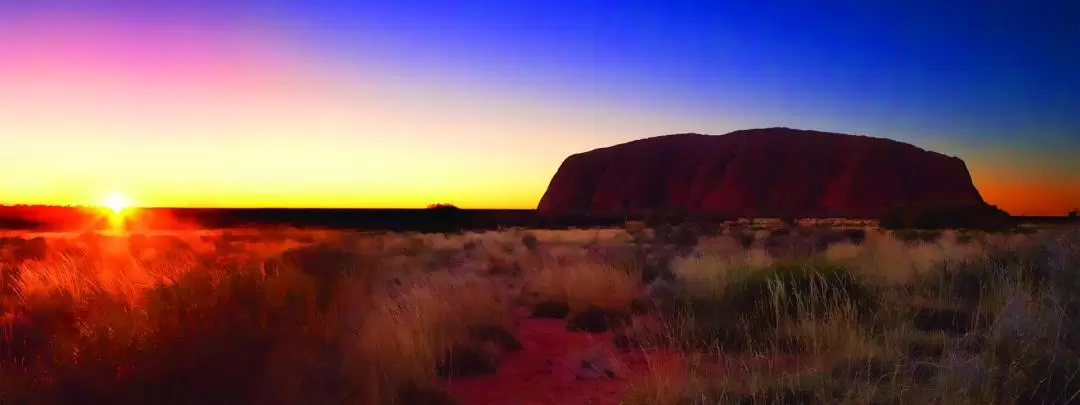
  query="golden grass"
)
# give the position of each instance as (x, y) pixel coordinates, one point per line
(887, 260)
(837, 337)
(80, 275)
(405, 333)
(713, 271)
(583, 284)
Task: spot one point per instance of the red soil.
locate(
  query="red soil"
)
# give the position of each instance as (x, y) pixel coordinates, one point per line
(544, 370)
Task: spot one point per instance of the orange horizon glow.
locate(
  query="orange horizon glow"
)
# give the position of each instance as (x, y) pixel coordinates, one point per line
(1017, 195)
(1028, 194)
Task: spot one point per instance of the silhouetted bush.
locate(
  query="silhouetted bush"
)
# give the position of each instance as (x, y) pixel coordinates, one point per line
(470, 245)
(667, 218)
(915, 235)
(964, 238)
(467, 360)
(20, 249)
(327, 264)
(657, 265)
(529, 241)
(446, 218)
(442, 206)
(593, 319)
(947, 216)
(856, 235)
(789, 221)
(706, 226)
(743, 237)
(682, 238)
(550, 309)
(780, 233)
(805, 242)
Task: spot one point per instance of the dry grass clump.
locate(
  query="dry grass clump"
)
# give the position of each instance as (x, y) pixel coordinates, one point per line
(742, 308)
(574, 236)
(417, 332)
(583, 284)
(82, 274)
(836, 335)
(592, 296)
(883, 259)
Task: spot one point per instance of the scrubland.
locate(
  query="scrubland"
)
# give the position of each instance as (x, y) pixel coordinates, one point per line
(747, 313)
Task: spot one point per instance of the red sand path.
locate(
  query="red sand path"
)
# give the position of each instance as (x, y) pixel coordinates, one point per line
(544, 370)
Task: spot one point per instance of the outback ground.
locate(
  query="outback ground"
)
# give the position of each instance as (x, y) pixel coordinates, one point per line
(745, 312)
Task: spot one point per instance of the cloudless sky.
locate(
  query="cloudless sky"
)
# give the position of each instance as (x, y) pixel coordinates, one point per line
(403, 103)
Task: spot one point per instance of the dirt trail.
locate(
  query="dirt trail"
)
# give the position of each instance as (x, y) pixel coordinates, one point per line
(547, 370)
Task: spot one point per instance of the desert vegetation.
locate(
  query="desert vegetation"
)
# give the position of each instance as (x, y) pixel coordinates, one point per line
(743, 312)
(946, 216)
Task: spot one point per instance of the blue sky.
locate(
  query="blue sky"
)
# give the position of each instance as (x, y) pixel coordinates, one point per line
(978, 67)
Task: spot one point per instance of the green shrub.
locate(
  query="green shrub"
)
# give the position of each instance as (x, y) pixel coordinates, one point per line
(753, 302)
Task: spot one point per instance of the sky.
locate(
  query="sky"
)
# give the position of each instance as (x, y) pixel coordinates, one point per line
(403, 103)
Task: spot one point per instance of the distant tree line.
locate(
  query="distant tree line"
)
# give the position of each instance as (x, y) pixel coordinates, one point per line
(947, 216)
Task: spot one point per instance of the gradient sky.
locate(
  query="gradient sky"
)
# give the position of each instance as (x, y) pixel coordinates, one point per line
(403, 103)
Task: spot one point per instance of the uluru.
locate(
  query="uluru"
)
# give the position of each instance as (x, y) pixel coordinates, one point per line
(758, 173)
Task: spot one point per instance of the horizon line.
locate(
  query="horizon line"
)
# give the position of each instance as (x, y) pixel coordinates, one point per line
(1065, 215)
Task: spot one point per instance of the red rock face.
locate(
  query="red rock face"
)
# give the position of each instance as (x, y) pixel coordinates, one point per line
(758, 173)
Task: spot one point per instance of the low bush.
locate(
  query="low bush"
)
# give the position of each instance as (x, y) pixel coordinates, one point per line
(328, 264)
(743, 237)
(946, 216)
(915, 236)
(748, 304)
(529, 240)
(15, 249)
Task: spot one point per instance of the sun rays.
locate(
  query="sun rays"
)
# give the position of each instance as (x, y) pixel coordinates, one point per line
(117, 207)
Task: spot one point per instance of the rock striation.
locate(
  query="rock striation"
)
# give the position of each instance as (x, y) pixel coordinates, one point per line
(765, 172)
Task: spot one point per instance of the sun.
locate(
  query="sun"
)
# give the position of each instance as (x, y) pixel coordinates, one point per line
(116, 202)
